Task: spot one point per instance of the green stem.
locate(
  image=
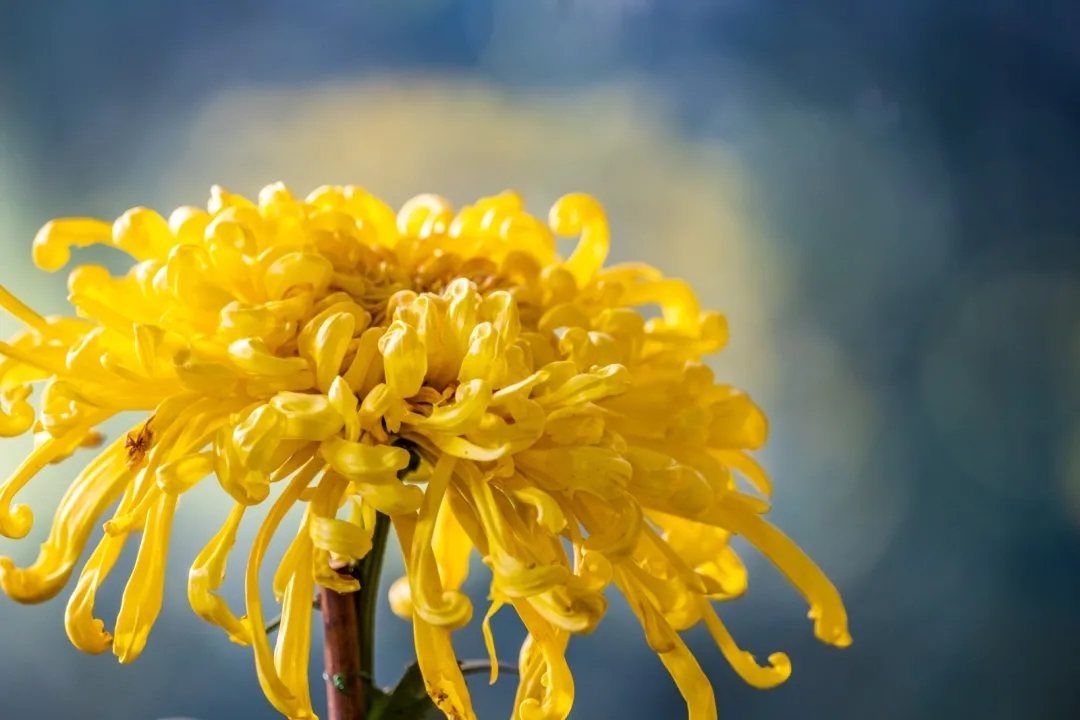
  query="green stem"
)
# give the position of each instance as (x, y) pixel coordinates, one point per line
(367, 599)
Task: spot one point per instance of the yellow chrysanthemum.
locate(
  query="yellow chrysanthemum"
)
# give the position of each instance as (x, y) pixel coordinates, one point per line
(324, 345)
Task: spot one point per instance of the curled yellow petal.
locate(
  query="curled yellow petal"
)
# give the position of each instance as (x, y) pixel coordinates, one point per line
(471, 399)
(16, 520)
(96, 487)
(307, 416)
(16, 414)
(389, 496)
(461, 448)
(344, 401)
(482, 355)
(340, 537)
(778, 671)
(252, 355)
(142, 233)
(355, 459)
(431, 599)
(586, 387)
(424, 215)
(258, 436)
(579, 213)
(297, 269)
(546, 687)
(245, 485)
(676, 299)
(53, 242)
(365, 369)
(203, 375)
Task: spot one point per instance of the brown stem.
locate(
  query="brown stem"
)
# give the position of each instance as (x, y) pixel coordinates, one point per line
(349, 627)
(341, 657)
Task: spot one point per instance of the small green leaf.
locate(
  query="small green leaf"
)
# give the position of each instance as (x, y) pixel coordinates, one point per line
(408, 701)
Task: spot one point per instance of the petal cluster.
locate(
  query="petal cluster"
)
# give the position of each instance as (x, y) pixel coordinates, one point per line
(446, 369)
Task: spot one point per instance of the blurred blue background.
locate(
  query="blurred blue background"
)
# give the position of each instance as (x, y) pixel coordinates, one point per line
(883, 197)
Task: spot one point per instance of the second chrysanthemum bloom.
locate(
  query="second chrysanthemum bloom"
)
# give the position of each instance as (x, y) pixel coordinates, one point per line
(311, 351)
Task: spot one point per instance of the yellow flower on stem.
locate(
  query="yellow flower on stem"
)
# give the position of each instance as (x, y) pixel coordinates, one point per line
(447, 370)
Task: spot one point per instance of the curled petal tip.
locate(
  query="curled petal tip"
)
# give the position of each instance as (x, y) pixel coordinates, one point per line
(781, 663)
(25, 585)
(766, 677)
(16, 521)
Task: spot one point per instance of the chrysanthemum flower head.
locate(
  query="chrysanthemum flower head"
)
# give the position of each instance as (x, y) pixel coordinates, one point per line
(446, 369)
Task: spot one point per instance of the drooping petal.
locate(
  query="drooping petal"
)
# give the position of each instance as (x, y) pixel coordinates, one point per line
(826, 608)
(431, 599)
(489, 641)
(293, 648)
(452, 549)
(275, 689)
(208, 573)
(142, 597)
(778, 671)
(434, 651)
(677, 658)
(86, 632)
(547, 692)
